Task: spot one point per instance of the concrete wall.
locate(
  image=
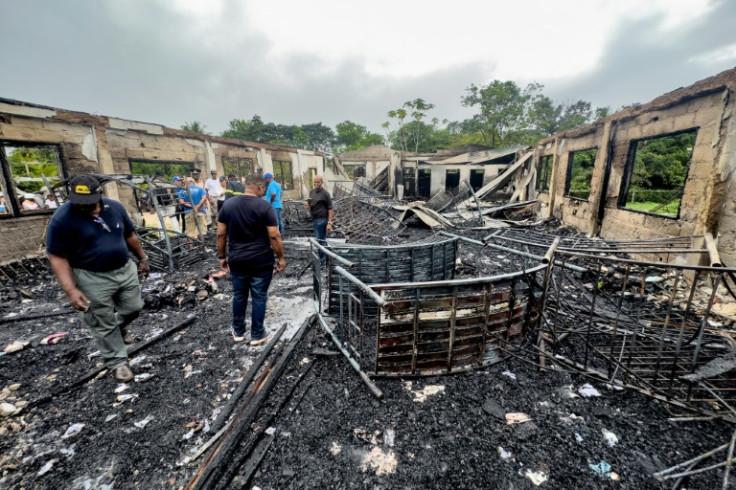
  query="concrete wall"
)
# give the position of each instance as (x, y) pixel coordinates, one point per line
(98, 144)
(708, 197)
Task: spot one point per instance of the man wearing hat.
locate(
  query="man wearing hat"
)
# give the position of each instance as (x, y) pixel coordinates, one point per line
(273, 195)
(214, 191)
(234, 187)
(195, 179)
(88, 242)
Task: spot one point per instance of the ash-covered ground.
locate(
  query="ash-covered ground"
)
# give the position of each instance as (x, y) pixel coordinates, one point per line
(329, 431)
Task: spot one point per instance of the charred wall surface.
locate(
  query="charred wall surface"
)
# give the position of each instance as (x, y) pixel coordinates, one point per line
(703, 203)
(85, 143)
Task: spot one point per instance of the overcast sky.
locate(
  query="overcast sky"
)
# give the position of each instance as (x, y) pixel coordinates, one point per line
(297, 62)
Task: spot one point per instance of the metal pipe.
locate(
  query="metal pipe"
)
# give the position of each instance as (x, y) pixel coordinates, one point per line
(361, 285)
(459, 282)
(551, 251)
(710, 245)
(371, 386)
(463, 238)
(574, 268)
(330, 253)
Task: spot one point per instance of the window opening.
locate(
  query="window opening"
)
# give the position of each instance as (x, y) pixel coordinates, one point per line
(240, 167)
(656, 172)
(452, 180)
(282, 174)
(580, 175)
(544, 175)
(32, 172)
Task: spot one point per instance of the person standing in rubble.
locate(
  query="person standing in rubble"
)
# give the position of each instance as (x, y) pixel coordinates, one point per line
(88, 242)
(320, 207)
(247, 238)
(273, 196)
(193, 199)
(214, 190)
(233, 187)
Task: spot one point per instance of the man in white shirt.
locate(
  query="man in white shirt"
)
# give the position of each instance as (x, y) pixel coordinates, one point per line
(214, 191)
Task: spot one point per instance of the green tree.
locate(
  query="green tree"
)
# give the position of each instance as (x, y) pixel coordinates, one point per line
(503, 108)
(411, 128)
(194, 127)
(319, 137)
(352, 136)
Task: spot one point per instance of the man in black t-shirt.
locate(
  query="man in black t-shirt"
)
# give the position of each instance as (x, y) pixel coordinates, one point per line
(88, 242)
(247, 226)
(320, 207)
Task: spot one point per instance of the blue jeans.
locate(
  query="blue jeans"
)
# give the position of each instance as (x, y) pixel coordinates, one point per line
(257, 285)
(280, 221)
(320, 231)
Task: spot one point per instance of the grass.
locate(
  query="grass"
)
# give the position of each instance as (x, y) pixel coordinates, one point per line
(669, 210)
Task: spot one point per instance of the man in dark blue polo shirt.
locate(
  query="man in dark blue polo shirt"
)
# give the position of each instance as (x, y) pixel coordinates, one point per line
(88, 242)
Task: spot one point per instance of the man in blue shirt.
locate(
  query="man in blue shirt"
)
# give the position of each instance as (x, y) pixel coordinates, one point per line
(195, 213)
(273, 195)
(88, 241)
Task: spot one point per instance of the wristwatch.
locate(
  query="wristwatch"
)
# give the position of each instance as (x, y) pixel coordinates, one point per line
(143, 259)
(329, 222)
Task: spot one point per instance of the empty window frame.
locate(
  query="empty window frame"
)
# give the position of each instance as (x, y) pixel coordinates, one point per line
(170, 169)
(452, 180)
(476, 178)
(28, 174)
(544, 173)
(580, 173)
(282, 174)
(656, 172)
(355, 171)
(239, 167)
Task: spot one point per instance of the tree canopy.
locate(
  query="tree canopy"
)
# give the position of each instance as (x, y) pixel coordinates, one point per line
(505, 115)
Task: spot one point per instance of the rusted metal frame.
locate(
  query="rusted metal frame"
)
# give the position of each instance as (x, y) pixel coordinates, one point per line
(533, 256)
(729, 460)
(540, 329)
(666, 474)
(582, 244)
(701, 329)
(619, 260)
(361, 285)
(341, 295)
(486, 314)
(413, 260)
(387, 264)
(511, 306)
(353, 363)
(415, 336)
(459, 282)
(670, 303)
(162, 221)
(592, 310)
(637, 322)
(619, 306)
(463, 238)
(453, 325)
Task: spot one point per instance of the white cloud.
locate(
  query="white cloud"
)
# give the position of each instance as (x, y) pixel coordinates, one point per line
(716, 56)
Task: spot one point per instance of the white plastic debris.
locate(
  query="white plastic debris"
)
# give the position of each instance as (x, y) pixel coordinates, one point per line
(578, 437)
(504, 454)
(140, 378)
(111, 417)
(509, 374)
(271, 431)
(188, 435)
(142, 423)
(335, 448)
(15, 346)
(125, 397)
(73, 430)
(389, 436)
(517, 418)
(611, 438)
(121, 387)
(587, 390)
(47, 467)
(536, 477)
